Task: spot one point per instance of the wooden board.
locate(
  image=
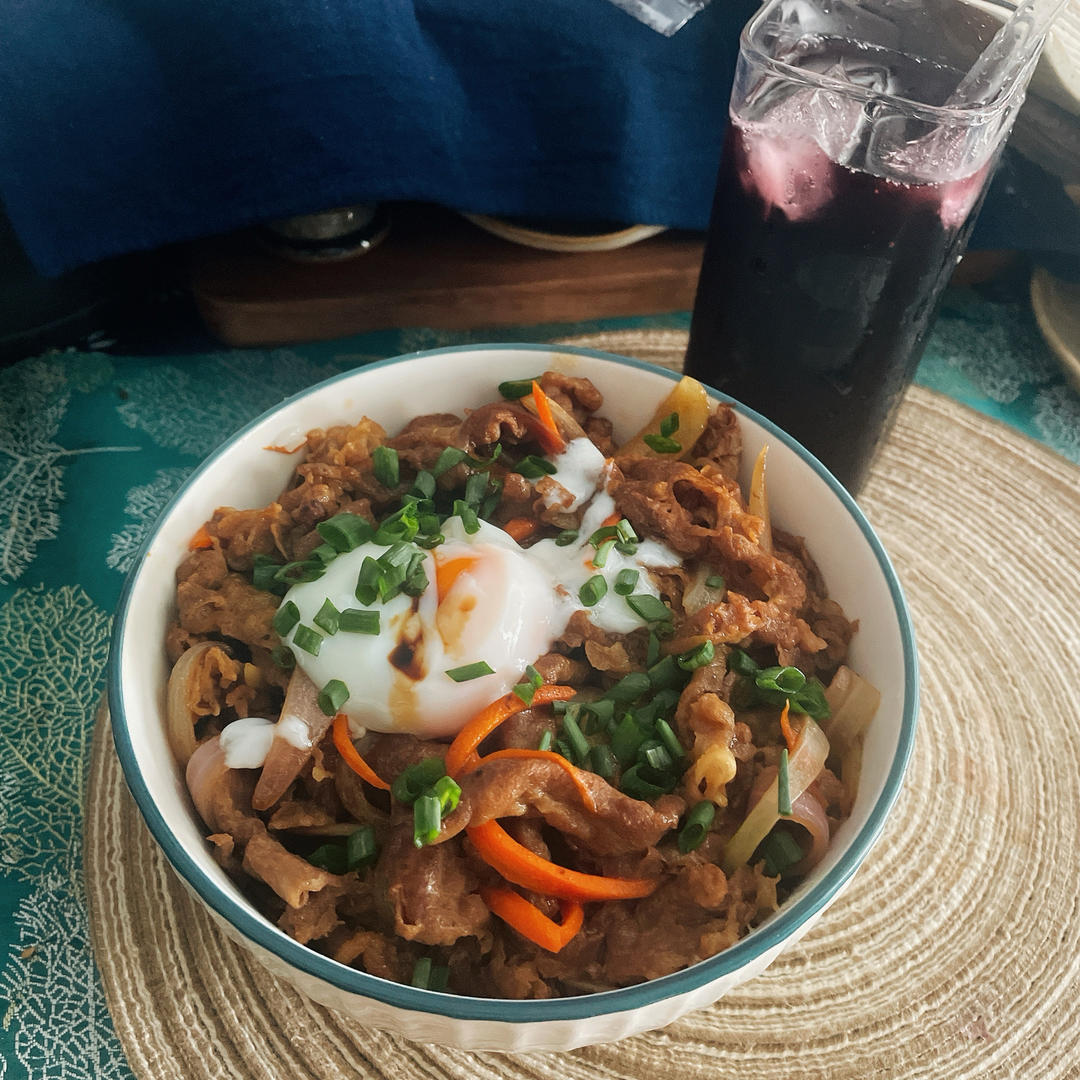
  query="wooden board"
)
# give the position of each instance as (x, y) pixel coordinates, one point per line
(437, 270)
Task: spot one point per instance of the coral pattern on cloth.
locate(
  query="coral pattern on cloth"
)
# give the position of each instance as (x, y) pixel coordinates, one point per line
(92, 447)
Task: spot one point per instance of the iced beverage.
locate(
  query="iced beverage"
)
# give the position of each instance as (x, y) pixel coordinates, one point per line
(836, 223)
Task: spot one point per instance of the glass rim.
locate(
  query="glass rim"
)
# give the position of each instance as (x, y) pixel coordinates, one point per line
(966, 115)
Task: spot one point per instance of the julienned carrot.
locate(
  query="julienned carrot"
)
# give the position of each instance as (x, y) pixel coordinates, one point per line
(547, 433)
(520, 528)
(463, 748)
(785, 726)
(532, 923)
(201, 540)
(523, 867)
(350, 755)
(543, 755)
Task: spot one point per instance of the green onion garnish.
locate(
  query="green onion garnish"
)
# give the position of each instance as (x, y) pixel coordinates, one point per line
(644, 782)
(786, 680)
(626, 739)
(328, 617)
(575, 738)
(357, 621)
(662, 444)
(295, 573)
(360, 848)
(525, 691)
(449, 457)
(666, 674)
(696, 826)
(783, 785)
(516, 388)
(285, 618)
(670, 424)
(534, 676)
(469, 519)
(592, 592)
(629, 688)
(345, 532)
(533, 467)
(780, 850)
(625, 581)
(416, 579)
(427, 820)
(566, 538)
(447, 791)
(648, 607)
(414, 781)
(545, 741)
(715, 581)
(741, 663)
(669, 739)
(387, 468)
(421, 974)
(602, 761)
(476, 488)
(439, 978)
(654, 753)
(423, 485)
(324, 553)
(653, 652)
(307, 639)
(605, 532)
(332, 696)
(602, 553)
(698, 656)
(471, 671)
(329, 857)
(283, 656)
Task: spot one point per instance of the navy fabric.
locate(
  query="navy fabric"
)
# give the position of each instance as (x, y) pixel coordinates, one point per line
(130, 124)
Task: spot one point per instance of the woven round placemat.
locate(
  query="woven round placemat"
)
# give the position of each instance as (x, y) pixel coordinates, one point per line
(955, 952)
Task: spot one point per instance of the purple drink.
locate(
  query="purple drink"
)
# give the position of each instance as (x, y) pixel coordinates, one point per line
(830, 241)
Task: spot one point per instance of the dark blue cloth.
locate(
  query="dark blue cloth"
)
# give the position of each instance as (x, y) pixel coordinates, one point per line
(130, 124)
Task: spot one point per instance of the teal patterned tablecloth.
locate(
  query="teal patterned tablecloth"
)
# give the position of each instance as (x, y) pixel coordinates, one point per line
(92, 446)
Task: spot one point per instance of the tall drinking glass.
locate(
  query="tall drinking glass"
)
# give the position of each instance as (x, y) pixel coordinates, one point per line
(850, 181)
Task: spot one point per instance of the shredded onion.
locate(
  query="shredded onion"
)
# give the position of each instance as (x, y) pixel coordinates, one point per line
(758, 503)
(852, 705)
(179, 719)
(205, 769)
(569, 428)
(810, 814)
(698, 595)
(804, 765)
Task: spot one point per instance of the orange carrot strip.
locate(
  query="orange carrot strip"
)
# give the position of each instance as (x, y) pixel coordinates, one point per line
(523, 867)
(547, 433)
(532, 923)
(542, 755)
(520, 528)
(785, 726)
(463, 748)
(201, 540)
(350, 756)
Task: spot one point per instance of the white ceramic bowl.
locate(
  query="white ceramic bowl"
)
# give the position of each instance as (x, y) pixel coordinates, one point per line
(805, 500)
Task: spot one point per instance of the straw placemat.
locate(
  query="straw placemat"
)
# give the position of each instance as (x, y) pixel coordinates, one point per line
(954, 953)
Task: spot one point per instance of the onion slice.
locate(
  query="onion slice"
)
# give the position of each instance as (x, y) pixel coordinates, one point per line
(568, 427)
(759, 500)
(179, 719)
(852, 705)
(804, 765)
(810, 814)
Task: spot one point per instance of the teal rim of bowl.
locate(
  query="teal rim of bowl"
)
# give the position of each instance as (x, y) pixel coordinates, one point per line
(781, 926)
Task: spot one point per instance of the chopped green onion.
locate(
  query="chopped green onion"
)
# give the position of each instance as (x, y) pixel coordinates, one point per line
(427, 820)
(696, 826)
(602, 761)
(811, 700)
(592, 592)
(421, 975)
(330, 857)
(533, 467)
(469, 520)
(367, 581)
(653, 652)
(643, 782)
(698, 656)
(626, 740)
(741, 663)
(285, 618)
(575, 738)
(563, 747)
(566, 538)
(666, 674)
(666, 699)
(715, 581)
(628, 688)
(654, 753)
(605, 532)
(284, 657)
(345, 532)
(357, 621)
(264, 574)
(439, 978)
(296, 573)
(670, 740)
(415, 780)
(669, 425)
(783, 785)
(662, 444)
(324, 553)
(603, 709)
(780, 850)
(525, 691)
(307, 639)
(625, 531)
(516, 388)
(449, 457)
(602, 553)
(471, 671)
(545, 741)
(328, 617)
(332, 696)
(534, 676)
(401, 526)
(476, 488)
(423, 485)
(360, 848)
(384, 460)
(786, 680)
(648, 607)
(448, 792)
(416, 579)
(625, 581)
